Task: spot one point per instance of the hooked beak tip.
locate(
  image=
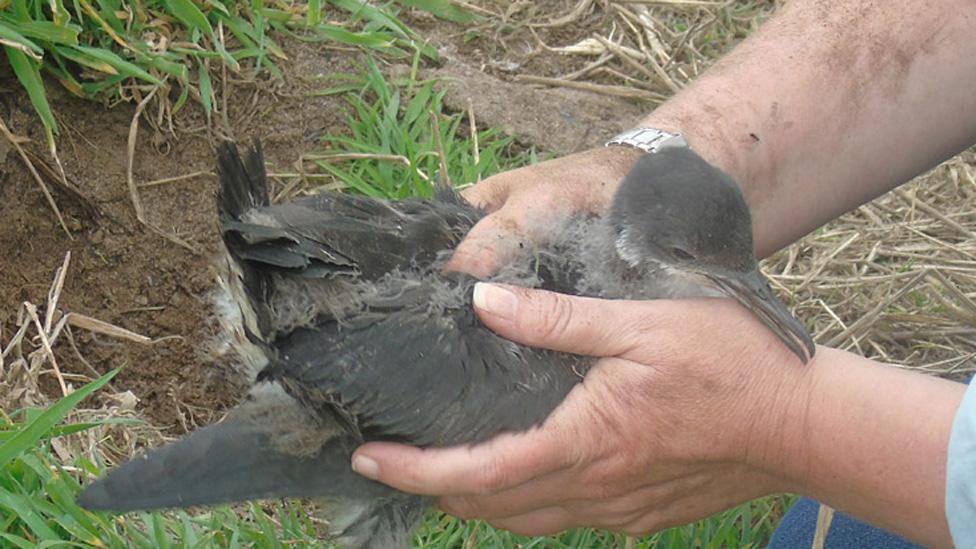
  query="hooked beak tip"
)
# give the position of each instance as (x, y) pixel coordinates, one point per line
(753, 292)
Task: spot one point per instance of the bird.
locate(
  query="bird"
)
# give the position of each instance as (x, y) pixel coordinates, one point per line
(356, 332)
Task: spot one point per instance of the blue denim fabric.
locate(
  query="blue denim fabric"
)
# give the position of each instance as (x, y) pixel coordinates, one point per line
(797, 528)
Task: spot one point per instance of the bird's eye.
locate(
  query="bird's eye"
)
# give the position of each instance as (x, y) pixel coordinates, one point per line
(682, 254)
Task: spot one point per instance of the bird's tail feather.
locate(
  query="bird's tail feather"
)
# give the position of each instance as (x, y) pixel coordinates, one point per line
(244, 187)
(269, 447)
(243, 182)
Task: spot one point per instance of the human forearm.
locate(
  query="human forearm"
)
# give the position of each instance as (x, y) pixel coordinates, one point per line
(830, 104)
(870, 440)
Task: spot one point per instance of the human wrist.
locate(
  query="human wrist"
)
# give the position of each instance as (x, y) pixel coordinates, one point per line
(713, 137)
(774, 421)
(725, 137)
(849, 436)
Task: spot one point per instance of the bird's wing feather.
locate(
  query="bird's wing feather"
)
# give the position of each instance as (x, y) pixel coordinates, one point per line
(334, 230)
(253, 454)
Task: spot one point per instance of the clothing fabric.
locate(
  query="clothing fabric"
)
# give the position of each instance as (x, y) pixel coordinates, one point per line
(797, 529)
(961, 474)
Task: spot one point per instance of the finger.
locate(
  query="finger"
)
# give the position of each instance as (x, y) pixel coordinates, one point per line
(492, 193)
(538, 493)
(501, 463)
(570, 324)
(491, 243)
(521, 220)
(605, 497)
(496, 239)
(543, 522)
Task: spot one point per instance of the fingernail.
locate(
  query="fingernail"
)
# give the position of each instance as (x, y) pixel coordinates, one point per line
(365, 466)
(495, 300)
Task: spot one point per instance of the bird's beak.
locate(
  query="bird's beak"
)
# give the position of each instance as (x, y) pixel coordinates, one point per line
(752, 290)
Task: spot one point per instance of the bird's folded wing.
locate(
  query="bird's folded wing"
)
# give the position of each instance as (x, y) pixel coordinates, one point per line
(426, 376)
(340, 233)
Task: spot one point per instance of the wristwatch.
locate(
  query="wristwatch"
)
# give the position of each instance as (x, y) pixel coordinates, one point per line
(649, 140)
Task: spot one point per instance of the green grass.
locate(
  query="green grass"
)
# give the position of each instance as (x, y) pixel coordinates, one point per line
(37, 493)
(95, 48)
(747, 526)
(397, 119)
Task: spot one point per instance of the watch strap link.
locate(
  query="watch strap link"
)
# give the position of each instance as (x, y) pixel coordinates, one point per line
(649, 140)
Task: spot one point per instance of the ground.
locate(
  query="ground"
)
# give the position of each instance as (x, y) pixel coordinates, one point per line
(892, 280)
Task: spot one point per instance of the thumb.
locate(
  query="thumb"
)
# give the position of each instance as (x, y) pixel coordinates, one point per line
(570, 324)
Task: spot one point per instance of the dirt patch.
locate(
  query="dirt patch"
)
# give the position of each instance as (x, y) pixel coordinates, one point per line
(517, 38)
(120, 273)
(123, 273)
(560, 121)
(642, 52)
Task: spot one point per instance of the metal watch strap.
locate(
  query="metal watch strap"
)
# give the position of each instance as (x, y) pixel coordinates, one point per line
(649, 140)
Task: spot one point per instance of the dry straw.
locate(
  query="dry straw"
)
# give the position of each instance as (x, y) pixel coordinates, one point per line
(29, 355)
(896, 278)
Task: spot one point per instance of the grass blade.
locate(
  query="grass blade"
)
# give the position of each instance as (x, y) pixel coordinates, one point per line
(206, 90)
(191, 16)
(313, 14)
(375, 15)
(21, 506)
(11, 35)
(441, 8)
(43, 423)
(120, 65)
(30, 78)
(45, 30)
(17, 541)
(85, 60)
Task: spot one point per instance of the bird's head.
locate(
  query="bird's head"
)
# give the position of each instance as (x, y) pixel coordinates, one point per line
(677, 212)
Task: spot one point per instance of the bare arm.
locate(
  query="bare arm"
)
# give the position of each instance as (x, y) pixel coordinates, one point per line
(832, 103)
(828, 105)
(868, 439)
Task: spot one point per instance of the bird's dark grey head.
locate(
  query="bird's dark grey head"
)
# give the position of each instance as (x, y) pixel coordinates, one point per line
(675, 212)
(675, 209)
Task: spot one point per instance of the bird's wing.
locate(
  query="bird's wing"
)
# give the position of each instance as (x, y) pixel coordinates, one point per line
(418, 368)
(312, 243)
(331, 233)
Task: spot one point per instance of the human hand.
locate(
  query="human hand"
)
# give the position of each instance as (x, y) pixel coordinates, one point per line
(524, 203)
(675, 423)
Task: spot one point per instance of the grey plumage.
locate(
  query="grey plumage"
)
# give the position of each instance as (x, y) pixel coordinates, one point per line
(360, 335)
